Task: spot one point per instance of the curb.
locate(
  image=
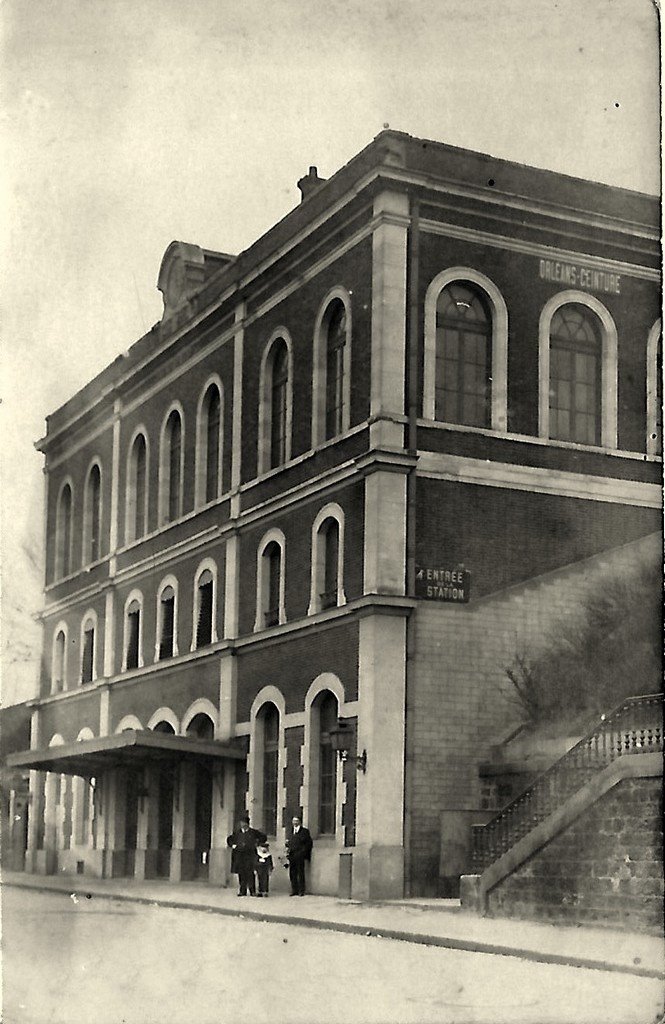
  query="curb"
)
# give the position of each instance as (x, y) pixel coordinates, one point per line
(417, 938)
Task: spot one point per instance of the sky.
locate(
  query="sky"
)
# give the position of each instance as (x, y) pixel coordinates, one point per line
(126, 125)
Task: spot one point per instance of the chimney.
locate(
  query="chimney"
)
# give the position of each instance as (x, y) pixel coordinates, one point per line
(309, 182)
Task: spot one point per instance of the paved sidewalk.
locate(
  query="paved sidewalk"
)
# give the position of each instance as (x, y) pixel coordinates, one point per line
(427, 922)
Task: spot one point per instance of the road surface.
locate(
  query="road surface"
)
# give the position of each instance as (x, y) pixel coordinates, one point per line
(99, 961)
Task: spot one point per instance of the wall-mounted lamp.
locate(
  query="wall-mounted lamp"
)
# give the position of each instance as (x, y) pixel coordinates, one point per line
(341, 740)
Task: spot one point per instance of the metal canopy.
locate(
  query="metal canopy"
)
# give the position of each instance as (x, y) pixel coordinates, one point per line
(133, 748)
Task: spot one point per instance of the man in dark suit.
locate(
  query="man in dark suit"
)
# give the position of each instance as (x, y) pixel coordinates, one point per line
(299, 846)
(243, 843)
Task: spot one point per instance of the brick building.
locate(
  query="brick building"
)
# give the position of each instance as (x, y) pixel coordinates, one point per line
(309, 495)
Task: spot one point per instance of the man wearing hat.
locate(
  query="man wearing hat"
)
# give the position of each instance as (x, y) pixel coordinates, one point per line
(243, 843)
(299, 847)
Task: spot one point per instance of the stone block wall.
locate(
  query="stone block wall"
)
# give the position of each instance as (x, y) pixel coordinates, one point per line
(606, 867)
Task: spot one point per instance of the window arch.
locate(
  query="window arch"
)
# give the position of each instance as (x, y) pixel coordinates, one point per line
(166, 642)
(88, 671)
(209, 443)
(578, 370)
(466, 350)
(171, 466)
(63, 550)
(136, 508)
(164, 717)
(655, 390)
(327, 568)
(59, 659)
(199, 707)
(133, 631)
(331, 378)
(92, 513)
(270, 580)
(204, 625)
(275, 403)
(268, 723)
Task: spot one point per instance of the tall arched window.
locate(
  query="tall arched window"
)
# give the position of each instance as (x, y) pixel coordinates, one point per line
(92, 514)
(270, 583)
(273, 565)
(88, 652)
(463, 373)
(269, 722)
(166, 623)
(171, 468)
(335, 342)
(133, 634)
(212, 408)
(137, 493)
(278, 386)
(59, 667)
(275, 400)
(327, 707)
(575, 375)
(204, 606)
(63, 554)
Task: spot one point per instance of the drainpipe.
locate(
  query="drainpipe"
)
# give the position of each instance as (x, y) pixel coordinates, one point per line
(412, 446)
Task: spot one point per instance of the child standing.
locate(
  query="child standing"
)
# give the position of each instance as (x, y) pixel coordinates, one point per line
(264, 866)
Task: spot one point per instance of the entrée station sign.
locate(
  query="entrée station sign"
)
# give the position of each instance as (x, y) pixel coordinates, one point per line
(438, 584)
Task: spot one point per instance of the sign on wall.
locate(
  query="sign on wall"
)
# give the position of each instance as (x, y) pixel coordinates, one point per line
(577, 276)
(437, 584)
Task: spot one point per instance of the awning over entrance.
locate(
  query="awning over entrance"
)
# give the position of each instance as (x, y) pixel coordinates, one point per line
(131, 749)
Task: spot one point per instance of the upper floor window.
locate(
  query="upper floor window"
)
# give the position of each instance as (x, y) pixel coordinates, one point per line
(575, 375)
(92, 514)
(59, 661)
(88, 652)
(209, 446)
(463, 357)
(204, 608)
(269, 723)
(655, 390)
(327, 585)
(171, 468)
(63, 552)
(133, 633)
(275, 404)
(136, 518)
(270, 609)
(331, 382)
(166, 622)
(578, 370)
(466, 350)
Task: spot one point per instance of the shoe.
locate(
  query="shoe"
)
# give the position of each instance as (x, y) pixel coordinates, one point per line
(294, 894)
(301, 894)
(242, 894)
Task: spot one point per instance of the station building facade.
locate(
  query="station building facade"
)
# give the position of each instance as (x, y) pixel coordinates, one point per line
(316, 500)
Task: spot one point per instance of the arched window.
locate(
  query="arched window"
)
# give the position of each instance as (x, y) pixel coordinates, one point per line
(269, 724)
(209, 481)
(272, 560)
(137, 491)
(59, 666)
(205, 590)
(88, 652)
(463, 374)
(171, 467)
(327, 709)
(575, 375)
(655, 390)
(92, 515)
(63, 554)
(270, 583)
(335, 342)
(275, 404)
(331, 381)
(327, 582)
(133, 634)
(278, 385)
(166, 623)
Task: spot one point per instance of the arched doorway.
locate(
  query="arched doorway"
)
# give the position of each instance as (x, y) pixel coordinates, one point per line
(165, 791)
(201, 727)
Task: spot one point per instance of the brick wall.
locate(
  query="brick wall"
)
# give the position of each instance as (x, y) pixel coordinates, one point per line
(459, 697)
(606, 867)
